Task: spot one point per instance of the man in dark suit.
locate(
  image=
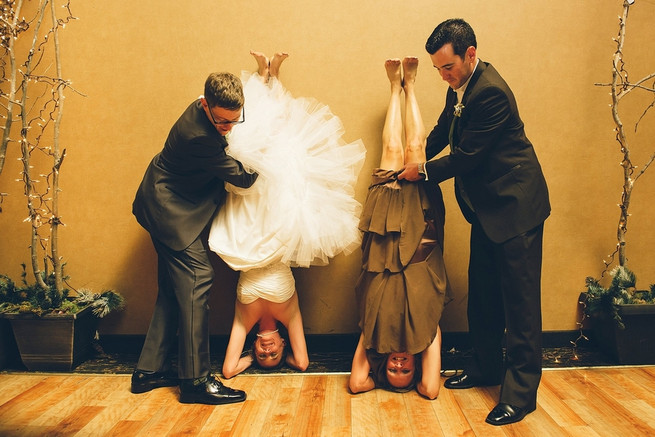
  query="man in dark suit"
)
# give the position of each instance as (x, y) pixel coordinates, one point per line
(501, 191)
(180, 192)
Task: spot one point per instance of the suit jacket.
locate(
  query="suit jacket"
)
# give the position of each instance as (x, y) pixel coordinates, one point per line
(184, 183)
(491, 156)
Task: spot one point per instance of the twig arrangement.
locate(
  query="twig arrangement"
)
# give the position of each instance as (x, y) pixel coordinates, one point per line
(32, 102)
(620, 87)
(623, 280)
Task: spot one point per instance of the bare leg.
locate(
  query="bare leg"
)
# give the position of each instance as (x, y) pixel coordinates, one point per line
(262, 65)
(414, 129)
(276, 61)
(392, 146)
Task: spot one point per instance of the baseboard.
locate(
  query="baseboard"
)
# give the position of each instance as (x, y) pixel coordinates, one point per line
(323, 343)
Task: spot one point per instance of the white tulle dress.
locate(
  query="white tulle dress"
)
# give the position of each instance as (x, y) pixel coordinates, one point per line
(301, 211)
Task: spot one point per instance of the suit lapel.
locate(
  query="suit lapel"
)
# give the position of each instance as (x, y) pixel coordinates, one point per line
(474, 79)
(454, 122)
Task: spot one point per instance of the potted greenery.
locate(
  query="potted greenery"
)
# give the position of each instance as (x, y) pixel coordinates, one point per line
(622, 317)
(53, 330)
(31, 101)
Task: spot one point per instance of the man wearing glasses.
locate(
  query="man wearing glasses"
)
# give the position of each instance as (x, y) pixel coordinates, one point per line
(181, 190)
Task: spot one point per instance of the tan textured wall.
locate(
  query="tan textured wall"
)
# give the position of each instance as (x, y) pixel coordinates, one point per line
(139, 64)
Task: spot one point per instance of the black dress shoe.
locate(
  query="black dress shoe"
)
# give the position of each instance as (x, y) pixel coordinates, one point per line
(209, 390)
(465, 380)
(504, 414)
(146, 381)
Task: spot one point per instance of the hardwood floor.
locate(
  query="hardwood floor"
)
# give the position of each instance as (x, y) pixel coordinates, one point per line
(617, 401)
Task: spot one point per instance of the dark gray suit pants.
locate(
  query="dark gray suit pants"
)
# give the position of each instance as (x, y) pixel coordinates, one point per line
(182, 308)
(505, 299)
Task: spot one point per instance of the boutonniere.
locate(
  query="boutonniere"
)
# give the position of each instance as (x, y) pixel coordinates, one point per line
(458, 110)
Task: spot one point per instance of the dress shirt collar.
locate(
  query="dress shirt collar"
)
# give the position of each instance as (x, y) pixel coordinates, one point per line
(461, 90)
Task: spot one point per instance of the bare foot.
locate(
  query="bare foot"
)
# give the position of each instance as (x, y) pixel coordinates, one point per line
(393, 73)
(276, 62)
(262, 65)
(410, 67)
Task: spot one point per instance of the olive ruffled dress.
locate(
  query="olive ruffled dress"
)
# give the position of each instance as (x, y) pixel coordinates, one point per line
(403, 285)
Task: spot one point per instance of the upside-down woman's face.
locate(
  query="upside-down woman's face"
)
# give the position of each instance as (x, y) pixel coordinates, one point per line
(400, 369)
(269, 350)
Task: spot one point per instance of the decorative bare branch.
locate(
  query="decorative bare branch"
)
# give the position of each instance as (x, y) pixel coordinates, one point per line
(621, 87)
(32, 99)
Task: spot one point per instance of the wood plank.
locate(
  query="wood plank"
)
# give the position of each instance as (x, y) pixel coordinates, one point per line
(604, 414)
(165, 411)
(567, 387)
(538, 423)
(39, 399)
(647, 370)
(119, 402)
(451, 417)
(193, 420)
(108, 384)
(610, 386)
(616, 401)
(13, 386)
(22, 431)
(85, 393)
(336, 412)
(309, 418)
(553, 405)
(638, 381)
(223, 417)
(394, 419)
(642, 409)
(31, 393)
(266, 386)
(422, 418)
(591, 415)
(476, 404)
(581, 431)
(284, 405)
(125, 428)
(221, 420)
(365, 414)
(251, 418)
(243, 382)
(151, 402)
(74, 422)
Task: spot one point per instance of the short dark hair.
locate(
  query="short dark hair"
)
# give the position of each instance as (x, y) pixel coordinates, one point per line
(224, 90)
(454, 31)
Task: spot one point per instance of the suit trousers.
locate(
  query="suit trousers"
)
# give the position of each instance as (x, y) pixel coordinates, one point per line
(182, 309)
(505, 300)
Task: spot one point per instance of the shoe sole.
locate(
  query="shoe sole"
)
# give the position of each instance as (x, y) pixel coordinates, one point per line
(509, 422)
(147, 388)
(195, 399)
(464, 387)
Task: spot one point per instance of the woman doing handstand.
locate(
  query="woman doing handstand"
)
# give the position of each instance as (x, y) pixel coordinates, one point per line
(300, 212)
(403, 285)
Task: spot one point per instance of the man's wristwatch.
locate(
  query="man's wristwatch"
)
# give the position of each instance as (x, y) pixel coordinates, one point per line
(421, 170)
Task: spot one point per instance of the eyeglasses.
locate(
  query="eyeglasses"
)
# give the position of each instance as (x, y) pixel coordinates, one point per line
(228, 122)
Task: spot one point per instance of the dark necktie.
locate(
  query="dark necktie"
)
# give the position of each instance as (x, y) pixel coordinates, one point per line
(458, 180)
(451, 132)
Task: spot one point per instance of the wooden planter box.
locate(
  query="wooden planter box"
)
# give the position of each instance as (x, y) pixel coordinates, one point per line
(54, 342)
(8, 350)
(633, 345)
